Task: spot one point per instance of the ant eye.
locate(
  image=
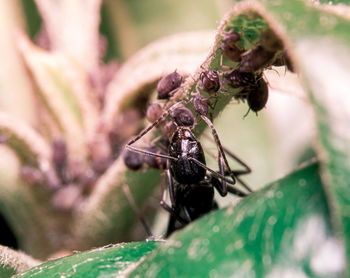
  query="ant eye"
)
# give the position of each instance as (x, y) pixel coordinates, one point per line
(210, 81)
(229, 47)
(133, 160)
(183, 116)
(269, 41)
(168, 85)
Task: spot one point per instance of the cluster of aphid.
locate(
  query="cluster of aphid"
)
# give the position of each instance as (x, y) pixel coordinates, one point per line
(248, 75)
(191, 183)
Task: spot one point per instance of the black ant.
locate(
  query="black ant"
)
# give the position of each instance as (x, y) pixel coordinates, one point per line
(187, 167)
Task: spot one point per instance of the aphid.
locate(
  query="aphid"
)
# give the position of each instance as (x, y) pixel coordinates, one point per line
(31, 175)
(154, 111)
(168, 85)
(229, 46)
(182, 116)
(66, 198)
(238, 79)
(133, 160)
(269, 41)
(255, 59)
(101, 153)
(154, 161)
(258, 96)
(200, 104)
(59, 156)
(210, 81)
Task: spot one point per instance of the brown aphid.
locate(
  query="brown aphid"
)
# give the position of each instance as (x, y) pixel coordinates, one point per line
(133, 160)
(59, 155)
(168, 85)
(31, 175)
(170, 129)
(153, 161)
(229, 47)
(154, 112)
(66, 198)
(210, 81)
(255, 59)
(258, 95)
(183, 116)
(238, 79)
(200, 104)
(269, 41)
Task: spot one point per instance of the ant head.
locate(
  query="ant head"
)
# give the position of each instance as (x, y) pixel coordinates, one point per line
(168, 85)
(183, 116)
(210, 81)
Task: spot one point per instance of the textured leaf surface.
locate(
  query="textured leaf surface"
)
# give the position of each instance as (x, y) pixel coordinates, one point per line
(108, 261)
(281, 230)
(12, 262)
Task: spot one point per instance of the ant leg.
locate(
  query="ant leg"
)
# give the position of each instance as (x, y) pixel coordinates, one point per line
(147, 129)
(218, 144)
(223, 188)
(215, 174)
(237, 173)
(134, 207)
(235, 191)
(172, 210)
(137, 150)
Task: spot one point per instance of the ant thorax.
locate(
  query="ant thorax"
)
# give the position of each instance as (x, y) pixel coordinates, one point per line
(185, 147)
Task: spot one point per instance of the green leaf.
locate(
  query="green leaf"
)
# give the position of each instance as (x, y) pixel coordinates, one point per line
(280, 230)
(107, 261)
(320, 44)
